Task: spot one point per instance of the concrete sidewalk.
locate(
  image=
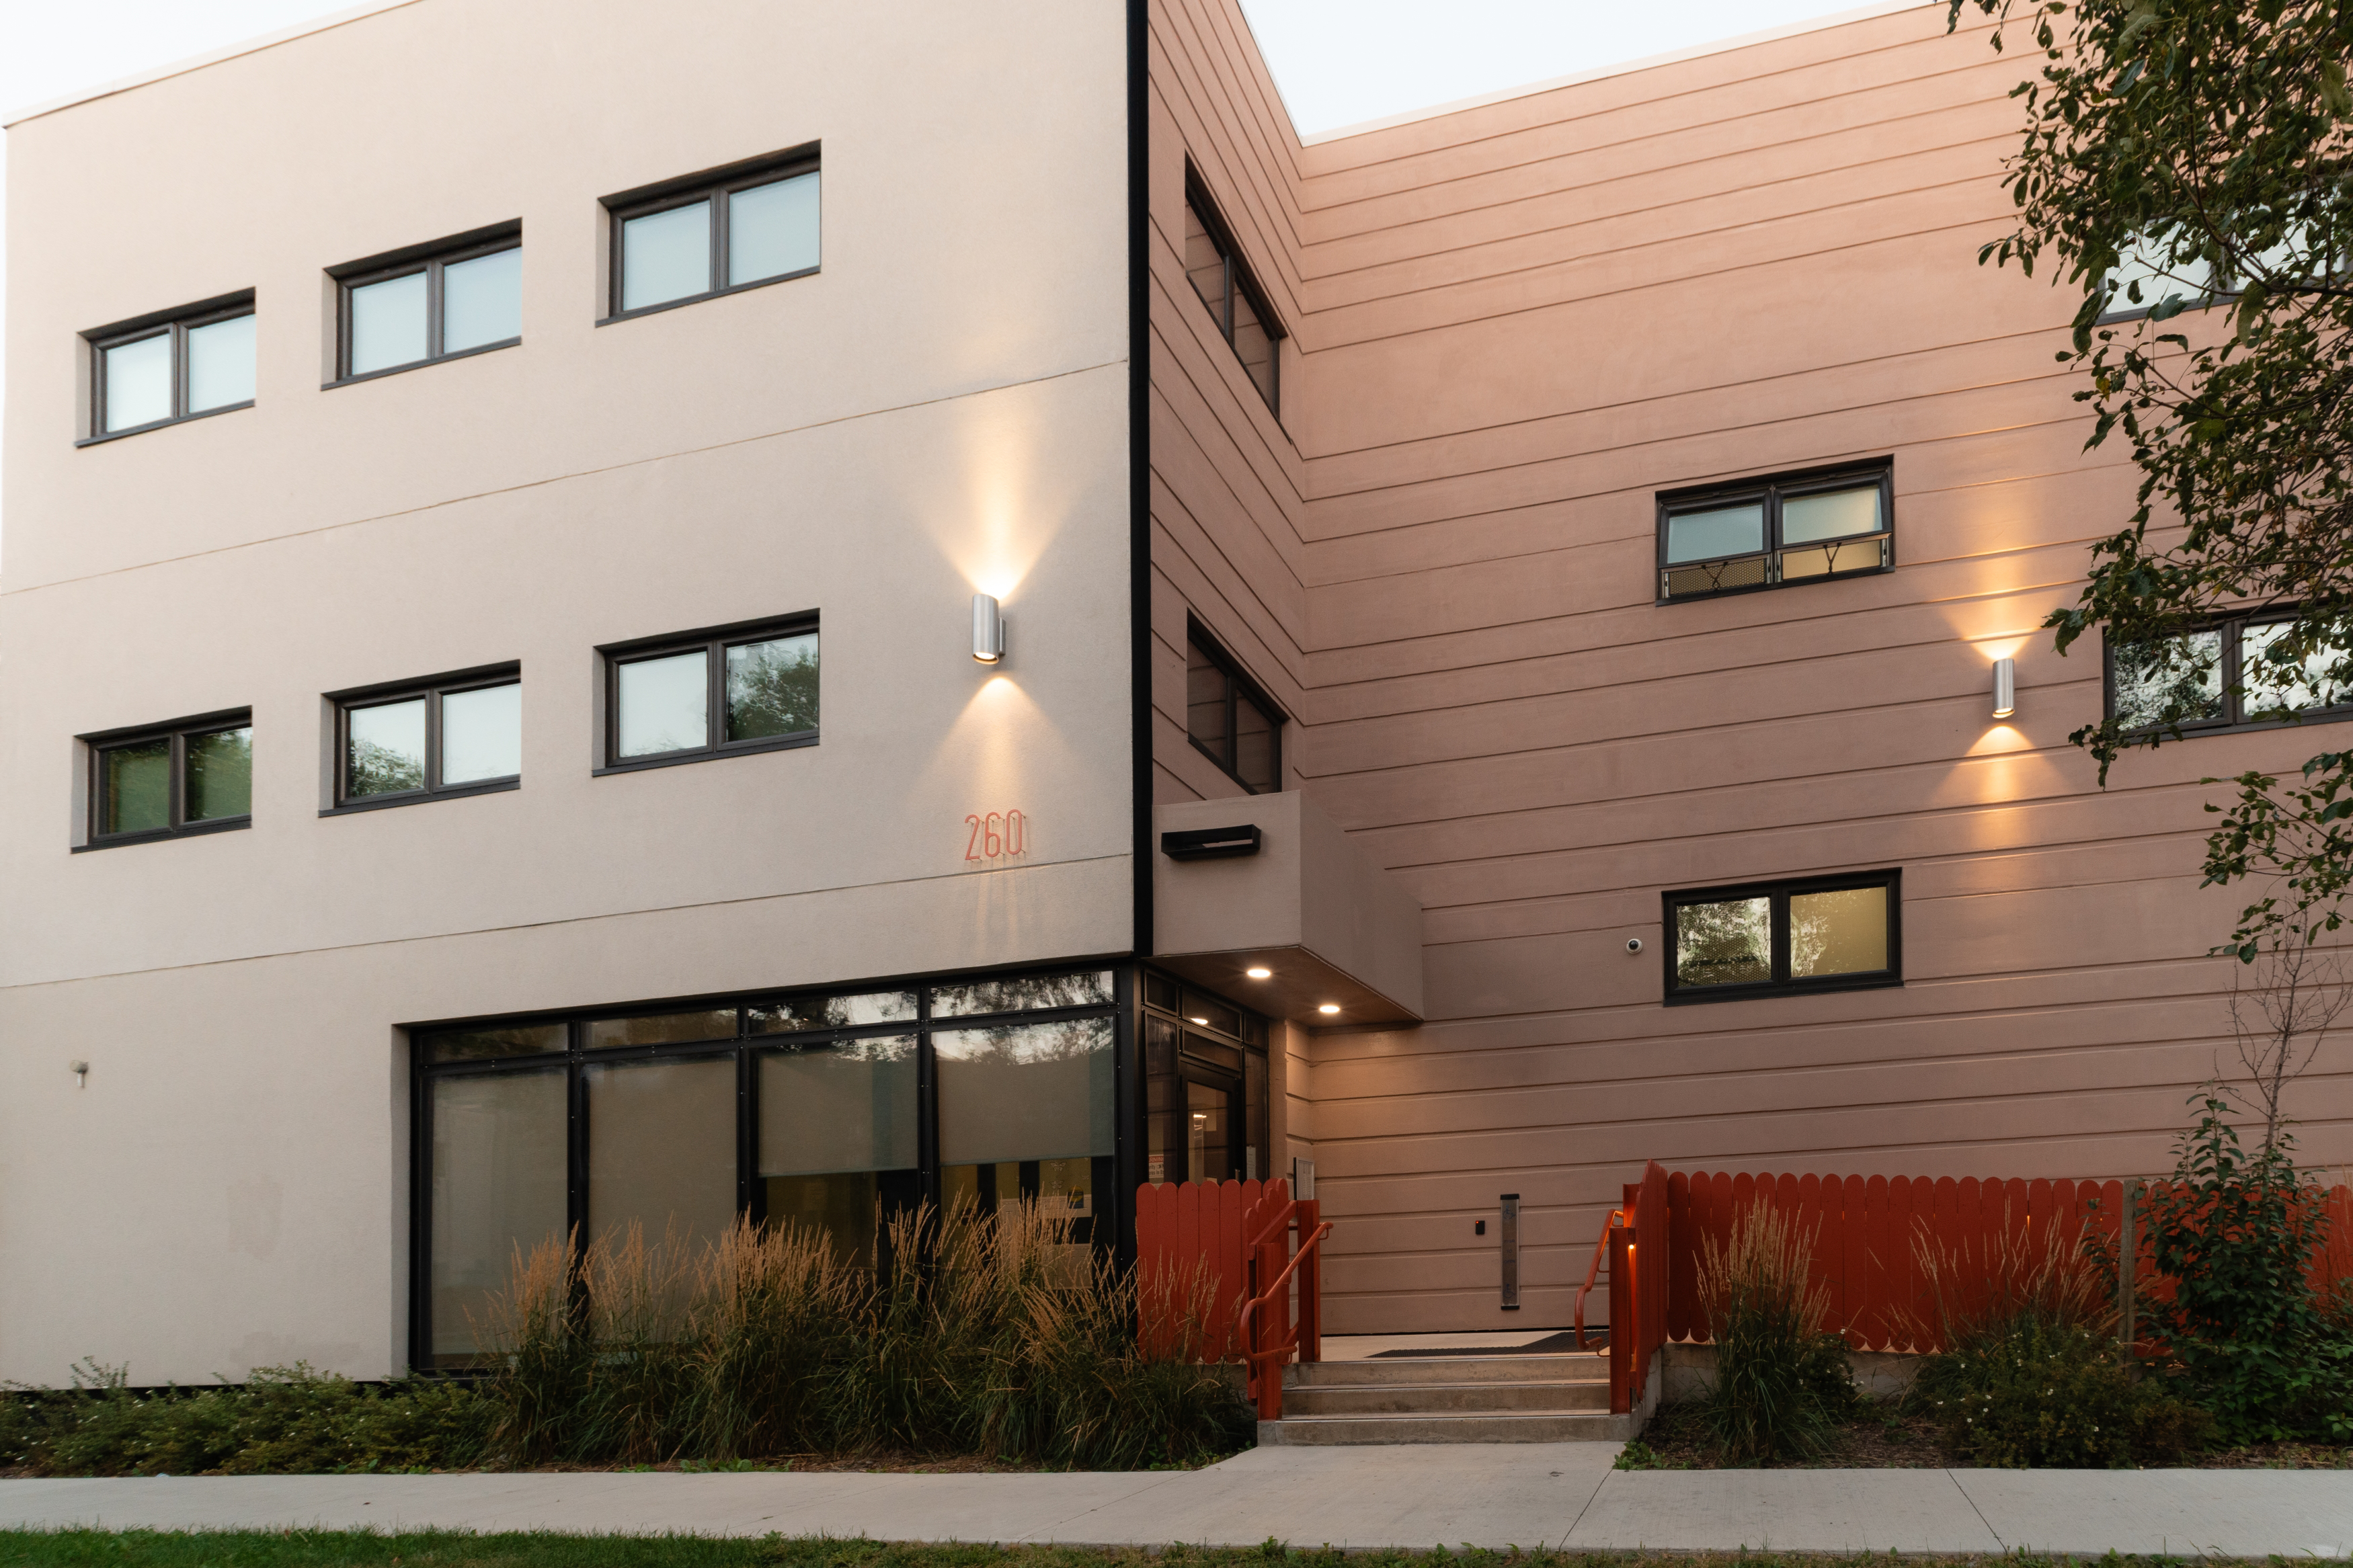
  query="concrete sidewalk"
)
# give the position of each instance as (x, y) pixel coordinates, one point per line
(1526, 1495)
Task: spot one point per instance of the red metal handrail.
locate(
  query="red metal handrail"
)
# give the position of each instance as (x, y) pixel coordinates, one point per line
(1600, 1245)
(1264, 1361)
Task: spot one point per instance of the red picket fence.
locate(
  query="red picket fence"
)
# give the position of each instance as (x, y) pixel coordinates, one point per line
(1203, 1247)
(1866, 1232)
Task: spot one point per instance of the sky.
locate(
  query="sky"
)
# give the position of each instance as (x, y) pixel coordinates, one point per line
(1337, 62)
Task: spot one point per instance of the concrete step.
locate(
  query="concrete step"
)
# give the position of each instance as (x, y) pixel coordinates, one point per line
(1469, 1427)
(1437, 1399)
(1573, 1367)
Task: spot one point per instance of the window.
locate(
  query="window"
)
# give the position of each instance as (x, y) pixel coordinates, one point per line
(1205, 1077)
(752, 688)
(456, 296)
(829, 1112)
(2238, 673)
(193, 776)
(455, 734)
(714, 232)
(1232, 295)
(175, 366)
(1828, 933)
(1788, 527)
(1229, 718)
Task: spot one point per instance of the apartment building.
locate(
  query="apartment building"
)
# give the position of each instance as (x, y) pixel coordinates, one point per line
(614, 615)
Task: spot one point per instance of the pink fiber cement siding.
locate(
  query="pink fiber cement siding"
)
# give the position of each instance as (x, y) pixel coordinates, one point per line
(1511, 326)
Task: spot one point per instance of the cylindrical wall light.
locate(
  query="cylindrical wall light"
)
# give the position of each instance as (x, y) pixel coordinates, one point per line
(2005, 688)
(988, 629)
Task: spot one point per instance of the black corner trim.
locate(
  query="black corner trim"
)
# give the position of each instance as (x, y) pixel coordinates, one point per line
(1212, 843)
(1139, 470)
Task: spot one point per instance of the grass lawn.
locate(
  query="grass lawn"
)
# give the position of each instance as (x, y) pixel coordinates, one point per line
(316, 1549)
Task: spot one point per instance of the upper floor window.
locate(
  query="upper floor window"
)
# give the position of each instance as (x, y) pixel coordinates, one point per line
(751, 688)
(455, 734)
(1229, 718)
(1825, 933)
(192, 776)
(170, 366)
(453, 297)
(2235, 673)
(712, 233)
(1785, 528)
(1233, 296)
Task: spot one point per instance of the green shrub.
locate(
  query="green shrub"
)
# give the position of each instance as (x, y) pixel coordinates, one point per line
(2036, 1394)
(281, 1421)
(1782, 1383)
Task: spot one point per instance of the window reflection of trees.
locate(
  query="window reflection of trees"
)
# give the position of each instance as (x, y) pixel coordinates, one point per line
(772, 688)
(2177, 681)
(1723, 944)
(1088, 988)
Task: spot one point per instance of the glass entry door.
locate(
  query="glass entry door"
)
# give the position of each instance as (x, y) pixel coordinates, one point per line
(1213, 1144)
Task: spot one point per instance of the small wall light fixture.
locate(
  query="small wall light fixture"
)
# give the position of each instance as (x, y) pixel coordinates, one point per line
(2005, 688)
(988, 629)
(81, 1073)
(1260, 973)
(1328, 1009)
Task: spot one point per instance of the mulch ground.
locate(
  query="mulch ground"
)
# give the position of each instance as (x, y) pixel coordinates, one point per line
(1884, 1438)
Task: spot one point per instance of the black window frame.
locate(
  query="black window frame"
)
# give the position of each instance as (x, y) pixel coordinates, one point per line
(2233, 659)
(431, 258)
(719, 186)
(1779, 893)
(1771, 489)
(178, 322)
(1239, 687)
(1112, 1175)
(1239, 279)
(714, 641)
(432, 689)
(179, 732)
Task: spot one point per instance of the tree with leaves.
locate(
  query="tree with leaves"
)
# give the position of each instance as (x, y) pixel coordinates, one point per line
(2186, 165)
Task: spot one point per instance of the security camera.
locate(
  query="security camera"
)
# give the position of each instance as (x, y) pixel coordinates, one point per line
(1633, 944)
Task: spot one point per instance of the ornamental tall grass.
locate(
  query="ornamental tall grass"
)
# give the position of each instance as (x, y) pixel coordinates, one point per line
(1782, 1384)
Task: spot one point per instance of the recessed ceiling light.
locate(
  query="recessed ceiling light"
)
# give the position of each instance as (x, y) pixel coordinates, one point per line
(1329, 1007)
(1258, 973)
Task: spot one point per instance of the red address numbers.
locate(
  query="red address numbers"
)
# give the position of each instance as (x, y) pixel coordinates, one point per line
(997, 835)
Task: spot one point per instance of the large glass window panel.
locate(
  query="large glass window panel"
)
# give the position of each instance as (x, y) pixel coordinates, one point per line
(2175, 682)
(485, 1045)
(772, 229)
(138, 382)
(848, 1105)
(1838, 933)
(499, 1189)
(220, 364)
(1162, 1135)
(220, 776)
(1727, 943)
(1025, 1091)
(1205, 699)
(1211, 1014)
(388, 323)
(1254, 755)
(481, 733)
(665, 704)
(1834, 514)
(661, 1150)
(384, 749)
(1087, 988)
(664, 1028)
(481, 301)
(830, 1012)
(1722, 531)
(772, 688)
(666, 256)
(2276, 685)
(136, 788)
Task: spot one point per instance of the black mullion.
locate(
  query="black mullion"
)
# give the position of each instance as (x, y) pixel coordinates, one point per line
(1226, 318)
(750, 1191)
(420, 1217)
(1778, 920)
(1130, 1135)
(927, 1110)
(2229, 655)
(575, 1197)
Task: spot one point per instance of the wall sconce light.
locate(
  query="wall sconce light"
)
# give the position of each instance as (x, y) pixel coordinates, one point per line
(2005, 688)
(988, 629)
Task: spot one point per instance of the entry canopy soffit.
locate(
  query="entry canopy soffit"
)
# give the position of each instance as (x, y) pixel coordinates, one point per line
(1329, 925)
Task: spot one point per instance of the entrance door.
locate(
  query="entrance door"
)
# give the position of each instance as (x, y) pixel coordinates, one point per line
(1213, 1127)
